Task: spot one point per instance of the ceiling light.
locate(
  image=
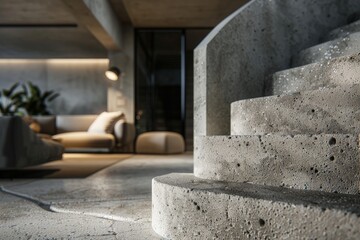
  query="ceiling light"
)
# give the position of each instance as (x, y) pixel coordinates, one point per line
(113, 73)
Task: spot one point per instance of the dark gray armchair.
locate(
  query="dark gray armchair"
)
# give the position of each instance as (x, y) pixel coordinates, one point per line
(21, 147)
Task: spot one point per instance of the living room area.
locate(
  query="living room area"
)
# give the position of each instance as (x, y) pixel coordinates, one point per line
(193, 119)
(96, 99)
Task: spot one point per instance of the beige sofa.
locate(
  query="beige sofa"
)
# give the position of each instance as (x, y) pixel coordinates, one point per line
(71, 132)
(21, 147)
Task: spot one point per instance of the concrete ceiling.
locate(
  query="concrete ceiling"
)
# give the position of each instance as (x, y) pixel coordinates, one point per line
(49, 42)
(67, 29)
(173, 13)
(34, 12)
(44, 29)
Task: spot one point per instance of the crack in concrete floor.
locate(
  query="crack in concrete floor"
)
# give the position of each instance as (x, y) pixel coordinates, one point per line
(86, 208)
(50, 207)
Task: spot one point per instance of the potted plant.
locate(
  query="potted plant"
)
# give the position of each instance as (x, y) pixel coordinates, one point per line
(34, 101)
(10, 101)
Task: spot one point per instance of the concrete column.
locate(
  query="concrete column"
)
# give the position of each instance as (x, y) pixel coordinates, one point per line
(121, 95)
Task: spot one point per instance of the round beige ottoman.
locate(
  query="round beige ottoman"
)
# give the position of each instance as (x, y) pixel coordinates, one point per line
(160, 143)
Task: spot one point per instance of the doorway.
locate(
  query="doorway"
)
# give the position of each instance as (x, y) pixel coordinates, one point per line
(164, 80)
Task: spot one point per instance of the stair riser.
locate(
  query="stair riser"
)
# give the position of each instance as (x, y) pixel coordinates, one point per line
(336, 72)
(329, 50)
(192, 213)
(320, 162)
(329, 111)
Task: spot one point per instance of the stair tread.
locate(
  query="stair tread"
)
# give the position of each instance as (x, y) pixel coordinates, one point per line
(184, 205)
(339, 47)
(345, 202)
(327, 110)
(343, 31)
(282, 160)
(331, 73)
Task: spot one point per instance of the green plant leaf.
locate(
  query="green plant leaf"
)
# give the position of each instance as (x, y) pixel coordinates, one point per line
(17, 95)
(55, 95)
(25, 89)
(13, 87)
(8, 92)
(30, 100)
(35, 91)
(7, 108)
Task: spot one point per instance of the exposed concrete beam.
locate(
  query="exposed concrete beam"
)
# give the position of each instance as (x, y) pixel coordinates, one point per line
(99, 18)
(120, 11)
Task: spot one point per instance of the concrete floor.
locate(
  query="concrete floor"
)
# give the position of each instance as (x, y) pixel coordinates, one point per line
(114, 203)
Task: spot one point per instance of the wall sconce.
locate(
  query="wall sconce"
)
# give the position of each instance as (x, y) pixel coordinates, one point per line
(113, 73)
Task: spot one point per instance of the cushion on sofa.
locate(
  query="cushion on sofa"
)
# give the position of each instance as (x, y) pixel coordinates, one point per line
(105, 122)
(85, 140)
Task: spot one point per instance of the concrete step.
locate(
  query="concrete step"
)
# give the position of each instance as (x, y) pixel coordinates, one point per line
(343, 31)
(324, 162)
(327, 110)
(340, 47)
(186, 207)
(335, 72)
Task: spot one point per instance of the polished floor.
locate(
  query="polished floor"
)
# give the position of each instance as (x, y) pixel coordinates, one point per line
(114, 203)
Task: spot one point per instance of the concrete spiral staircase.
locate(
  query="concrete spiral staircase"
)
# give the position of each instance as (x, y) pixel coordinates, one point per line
(290, 167)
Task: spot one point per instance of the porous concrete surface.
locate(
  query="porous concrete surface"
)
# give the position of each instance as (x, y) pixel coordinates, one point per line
(332, 73)
(340, 47)
(114, 203)
(185, 207)
(343, 31)
(252, 43)
(312, 162)
(335, 110)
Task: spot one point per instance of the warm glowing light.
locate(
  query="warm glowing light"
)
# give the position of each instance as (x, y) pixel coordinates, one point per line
(21, 61)
(113, 73)
(78, 61)
(56, 61)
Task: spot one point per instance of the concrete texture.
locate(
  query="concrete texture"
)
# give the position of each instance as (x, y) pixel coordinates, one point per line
(60, 36)
(50, 42)
(276, 144)
(343, 31)
(311, 162)
(76, 80)
(114, 203)
(82, 86)
(99, 18)
(332, 73)
(176, 14)
(344, 46)
(231, 65)
(334, 110)
(121, 93)
(35, 12)
(105, 15)
(185, 207)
